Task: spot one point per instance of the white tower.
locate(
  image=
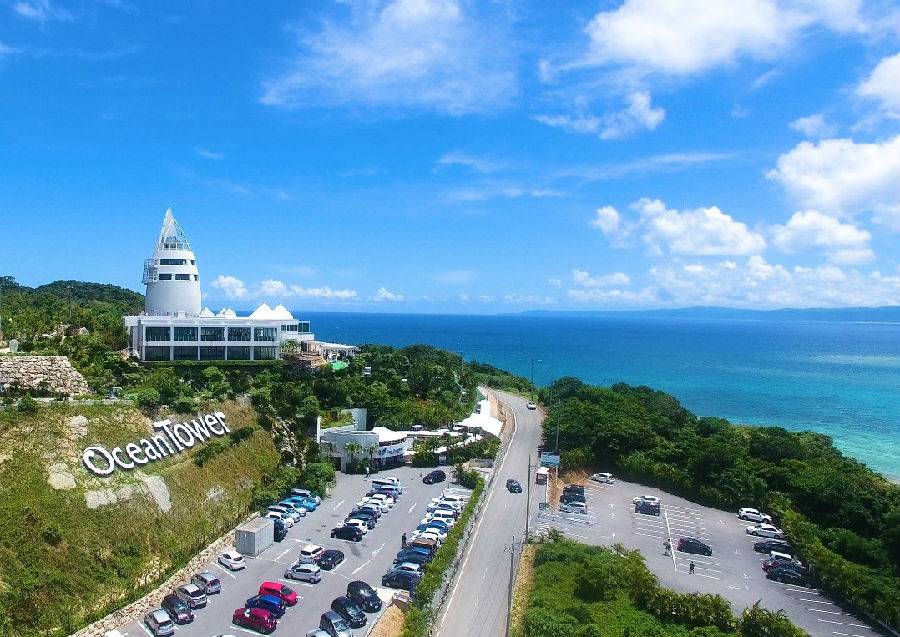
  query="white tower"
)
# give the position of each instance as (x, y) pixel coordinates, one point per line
(171, 275)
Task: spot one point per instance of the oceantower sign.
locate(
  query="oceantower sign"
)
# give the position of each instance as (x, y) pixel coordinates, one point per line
(170, 439)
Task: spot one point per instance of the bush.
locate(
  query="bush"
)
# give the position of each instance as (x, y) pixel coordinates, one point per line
(317, 477)
(27, 405)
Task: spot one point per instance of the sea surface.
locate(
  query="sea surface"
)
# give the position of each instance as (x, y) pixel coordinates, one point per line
(841, 379)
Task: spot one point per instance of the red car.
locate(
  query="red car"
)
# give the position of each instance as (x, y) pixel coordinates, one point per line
(287, 595)
(255, 618)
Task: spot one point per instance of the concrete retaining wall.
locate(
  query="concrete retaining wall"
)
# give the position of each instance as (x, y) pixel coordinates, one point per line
(42, 374)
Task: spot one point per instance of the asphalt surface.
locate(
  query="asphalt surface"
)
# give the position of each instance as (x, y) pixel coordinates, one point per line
(734, 570)
(477, 602)
(367, 560)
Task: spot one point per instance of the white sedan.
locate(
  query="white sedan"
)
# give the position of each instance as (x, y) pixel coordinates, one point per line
(286, 519)
(427, 535)
(232, 560)
(448, 520)
(649, 499)
(753, 515)
(357, 524)
(408, 567)
(605, 478)
(766, 530)
(381, 506)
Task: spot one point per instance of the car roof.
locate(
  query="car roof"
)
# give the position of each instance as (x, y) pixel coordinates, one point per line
(305, 567)
(190, 588)
(332, 552)
(311, 548)
(160, 615)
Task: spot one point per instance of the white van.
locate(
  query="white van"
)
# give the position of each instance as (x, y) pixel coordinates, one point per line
(573, 507)
(454, 499)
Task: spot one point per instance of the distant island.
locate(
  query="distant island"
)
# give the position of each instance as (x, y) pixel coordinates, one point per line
(886, 314)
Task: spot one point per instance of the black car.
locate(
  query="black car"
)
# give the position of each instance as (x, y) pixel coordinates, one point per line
(767, 546)
(368, 508)
(413, 551)
(434, 476)
(571, 496)
(574, 488)
(401, 579)
(693, 545)
(413, 558)
(330, 559)
(364, 596)
(348, 609)
(280, 533)
(347, 533)
(647, 508)
(178, 609)
(789, 575)
(367, 520)
(513, 486)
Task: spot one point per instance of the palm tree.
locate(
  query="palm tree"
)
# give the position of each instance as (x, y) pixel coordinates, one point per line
(352, 448)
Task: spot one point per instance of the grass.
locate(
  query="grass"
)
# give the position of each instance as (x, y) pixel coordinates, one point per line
(522, 590)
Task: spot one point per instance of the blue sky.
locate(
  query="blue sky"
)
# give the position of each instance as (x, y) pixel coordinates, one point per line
(452, 156)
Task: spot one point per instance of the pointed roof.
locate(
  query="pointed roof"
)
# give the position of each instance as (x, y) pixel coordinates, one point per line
(282, 313)
(171, 236)
(206, 312)
(227, 312)
(262, 312)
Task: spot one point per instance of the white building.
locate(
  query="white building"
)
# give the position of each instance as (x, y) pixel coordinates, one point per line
(174, 327)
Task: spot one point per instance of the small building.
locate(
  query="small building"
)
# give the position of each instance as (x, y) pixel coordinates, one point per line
(380, 446)
(541, 475)
(174, 327)
(254, 537)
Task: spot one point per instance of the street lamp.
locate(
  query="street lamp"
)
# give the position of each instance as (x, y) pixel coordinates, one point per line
(533, 361)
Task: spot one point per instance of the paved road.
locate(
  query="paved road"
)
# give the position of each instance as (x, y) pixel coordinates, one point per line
(366, 560)
(478, 597)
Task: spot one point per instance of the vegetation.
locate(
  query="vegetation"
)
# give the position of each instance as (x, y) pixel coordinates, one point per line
(588, 591)
(843, 518)
(420, 613)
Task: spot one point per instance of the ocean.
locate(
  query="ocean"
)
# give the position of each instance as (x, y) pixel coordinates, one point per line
(840, 379)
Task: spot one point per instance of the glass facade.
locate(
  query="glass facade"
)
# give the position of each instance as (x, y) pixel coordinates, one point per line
(212, 333)
(182, 277)
(264, 334)
(183, 353)
(289, 328)
(211, 353)
(303, 327)
(171, 261)
(157, 353)
(164, 277)
(185, 334)
(157, 334)
(238, 333)
(263, 353)
(239, 353)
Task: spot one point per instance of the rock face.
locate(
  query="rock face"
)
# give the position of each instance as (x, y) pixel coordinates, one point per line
(52, 374)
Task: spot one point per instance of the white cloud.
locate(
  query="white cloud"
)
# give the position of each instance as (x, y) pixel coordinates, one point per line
(209, 154)
(232, 287)
(455, 277)
(615, 296)
(40, 10)
(638, 115)
(699, 232)
(7, 50)
(585, 280)
(407, 53)
(883, 85)
(572, 123)
(272, 287)
(554, 283)
(476, 163)
(516, 298)
(841, 177)
(501, 191)
(813, 126)
(666, 162)
(383, 294)
(609, 222)
(323, 292)
(811, 230)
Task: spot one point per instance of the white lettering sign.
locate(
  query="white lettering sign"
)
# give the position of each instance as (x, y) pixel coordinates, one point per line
(168, 440)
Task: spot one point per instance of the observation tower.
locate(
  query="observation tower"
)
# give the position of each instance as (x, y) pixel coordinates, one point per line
(171, 275)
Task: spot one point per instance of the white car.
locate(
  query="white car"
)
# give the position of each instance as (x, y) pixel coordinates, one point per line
(453, 503)
(286, 519)
(381, 506)
(357, 524)
(650, 499)
(449, 496)
(531, 405)
(433, 507)
(232, 560)
(310, 554)
(381, 497)
(307, 494)
(437, 531)
(753, 515)
(304, 573)
(292, 513)
(409, 567)
(448, 520)
(605, 478)
(766, 530)
(427, 535)
(573, 507)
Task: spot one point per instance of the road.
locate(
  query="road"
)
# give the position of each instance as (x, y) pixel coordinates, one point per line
(477, 601)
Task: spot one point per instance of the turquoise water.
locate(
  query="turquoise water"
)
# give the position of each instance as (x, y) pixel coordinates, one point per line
(841, 379)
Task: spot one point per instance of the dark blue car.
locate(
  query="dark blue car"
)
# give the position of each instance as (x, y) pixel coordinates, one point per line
(267, 602)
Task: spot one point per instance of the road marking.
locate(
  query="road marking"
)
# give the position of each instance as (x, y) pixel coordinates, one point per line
(669, 539)
(830, 612)
(834, 632)
(361, 567)
(859, 626)
(487, 501)
(337, 506)
(375, 552)
(145, 629)
(801, 589)
(245, 630)
(814, 601)
(285, 552)
(828, 621)
(412, 507)
(225, 570)
(293, 581)
(486, 572)
(737, 588)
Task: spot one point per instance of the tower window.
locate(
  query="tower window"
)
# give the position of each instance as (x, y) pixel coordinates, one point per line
(172, 262)
(182, 277)
(164, 277)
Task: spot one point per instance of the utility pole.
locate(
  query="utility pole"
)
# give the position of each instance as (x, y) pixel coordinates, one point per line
(512, 565)
(533, 361)
(528, 500)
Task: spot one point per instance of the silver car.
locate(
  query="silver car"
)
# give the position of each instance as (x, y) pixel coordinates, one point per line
(304, 573)
(159, 623)
(207, 582)
(192, 594)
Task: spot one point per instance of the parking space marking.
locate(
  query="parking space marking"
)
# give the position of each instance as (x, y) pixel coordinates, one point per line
(338, 505)
(814, 601)
(412, 507)
(648, 535)
(144, 628)
(245, 630)
(285, 552)
(226, 571)
(821, 610)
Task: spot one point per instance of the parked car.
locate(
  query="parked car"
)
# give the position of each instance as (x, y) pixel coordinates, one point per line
(307, 494)
(271, 603)
(789, 575)
(159, 623)
(413, 550)
(345, 532)
(605, 478)
(349, 610)
(428, 527)
(370, 509)
(317, 632)
(381, 497)
(578, 488)
(438, 524)
(357, 524)
(381, 506)
(280, 532)
(645, 498)
(434, 476)
(571, 496)
(192, 594)
(284, 593)
(364, 596)
(232, 560)
(753, 515)
(304, 573)
(647, 508)
(693, 545)
(409, 567)
(366, 517)
(766, 530)
(401, 579)
(768, 546)
(334, 625)
(208, 582)
(285, 518)
(777, 560)
(531, 405)
(179, 610)
(513, 486)
(255, 619)
(306, 502)
(330, 559)
(310, 554)
(287, 510)
(424, 543)
(573, 507)
(414, 558)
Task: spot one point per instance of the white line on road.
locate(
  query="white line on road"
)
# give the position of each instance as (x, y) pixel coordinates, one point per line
(834, 632)
(375, 552)
(814, 601)
(245, 630)
(283, 553)
(830, 612)
(669, 539)
(145, 629)
(828, 621)
(226, 571)
(648, 535)
(859, 626)
(361, 567)
(412, 507)
(337, 506)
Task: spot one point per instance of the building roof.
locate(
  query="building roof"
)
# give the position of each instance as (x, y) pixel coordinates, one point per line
(262, 312)
(389, 435)
(281, 312)
(206, 313)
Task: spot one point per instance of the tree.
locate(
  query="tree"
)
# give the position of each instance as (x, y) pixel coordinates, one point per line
(352, 448)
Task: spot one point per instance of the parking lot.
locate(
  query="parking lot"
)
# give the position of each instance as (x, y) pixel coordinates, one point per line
(734, 570)
(366, 560)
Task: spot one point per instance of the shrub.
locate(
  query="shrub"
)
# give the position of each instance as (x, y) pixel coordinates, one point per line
(27, 405)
